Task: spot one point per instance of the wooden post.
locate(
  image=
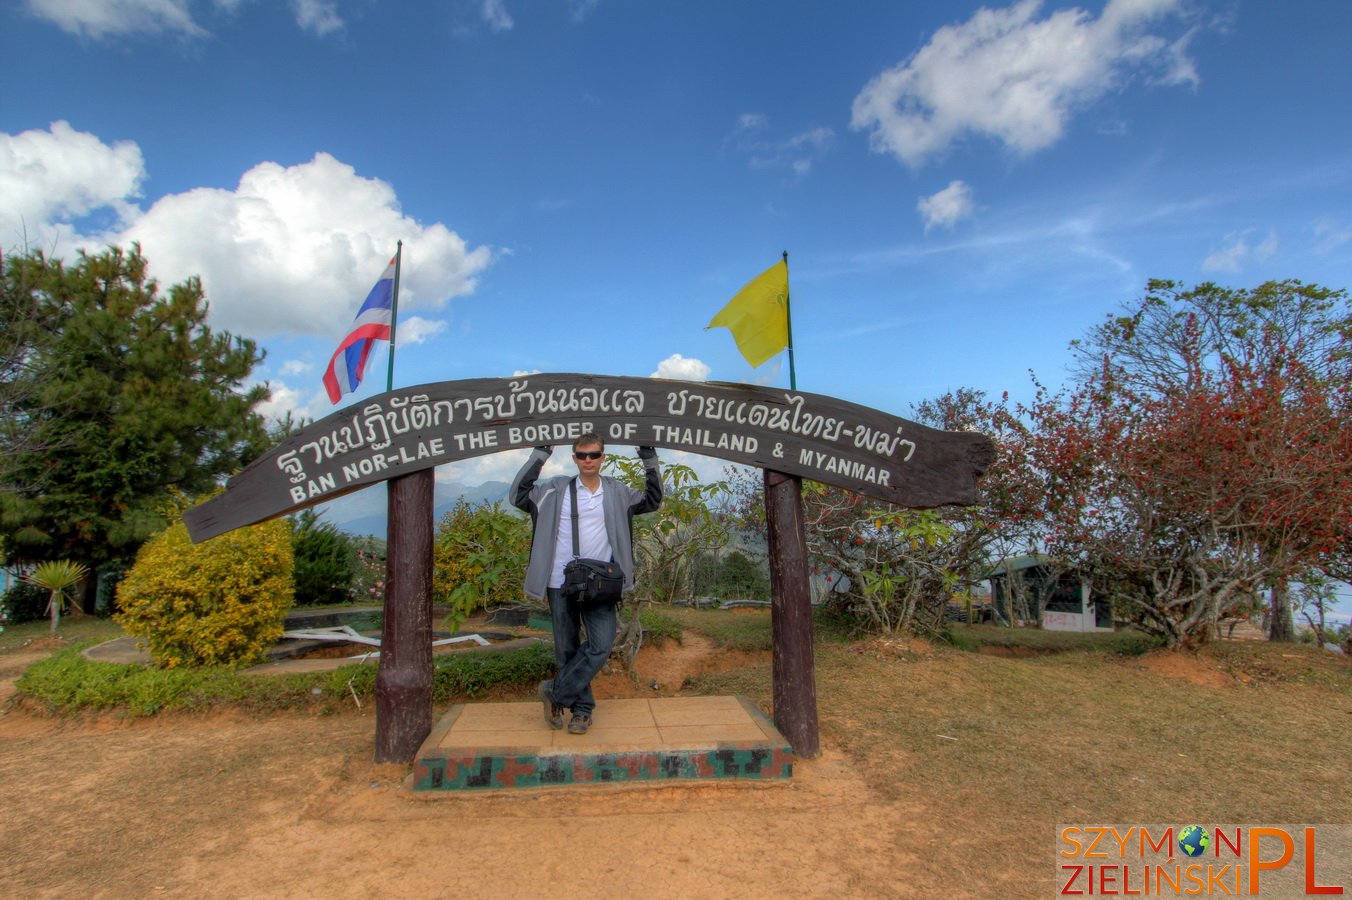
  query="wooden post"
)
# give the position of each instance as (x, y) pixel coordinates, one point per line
(795, 686)
(404, 679)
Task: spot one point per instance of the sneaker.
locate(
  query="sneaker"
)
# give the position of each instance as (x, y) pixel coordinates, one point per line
(579, 724)
(553, 715)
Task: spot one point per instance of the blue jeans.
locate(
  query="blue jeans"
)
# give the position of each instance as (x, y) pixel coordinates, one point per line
(579, 660)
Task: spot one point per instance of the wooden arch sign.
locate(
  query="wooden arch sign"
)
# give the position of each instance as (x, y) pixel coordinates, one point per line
(411, 429)
(401, 436)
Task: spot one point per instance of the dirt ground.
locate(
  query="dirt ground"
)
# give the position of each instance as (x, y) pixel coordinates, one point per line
(290, 805)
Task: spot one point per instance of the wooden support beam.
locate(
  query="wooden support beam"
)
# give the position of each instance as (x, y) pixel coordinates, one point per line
(795, 686)
(404, 678)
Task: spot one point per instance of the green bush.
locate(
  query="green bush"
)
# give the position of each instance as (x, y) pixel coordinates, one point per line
(326, 561)
(23, 602)
(740, 578)
(218, 603)
(464, 674)
(479, 558)
(67, 682)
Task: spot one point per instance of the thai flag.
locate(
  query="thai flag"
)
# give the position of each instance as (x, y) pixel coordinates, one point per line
(372, 324)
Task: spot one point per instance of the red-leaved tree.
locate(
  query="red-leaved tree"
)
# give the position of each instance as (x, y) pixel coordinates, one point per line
(1208, 455)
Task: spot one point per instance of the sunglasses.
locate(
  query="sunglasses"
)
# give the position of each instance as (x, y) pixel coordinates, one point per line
(588, 454)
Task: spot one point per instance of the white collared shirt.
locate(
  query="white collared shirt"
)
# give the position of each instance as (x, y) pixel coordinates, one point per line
(593, 542)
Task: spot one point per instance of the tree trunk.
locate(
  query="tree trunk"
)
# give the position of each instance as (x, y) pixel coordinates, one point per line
(1282, 626)
(631, 639)
(86, 593)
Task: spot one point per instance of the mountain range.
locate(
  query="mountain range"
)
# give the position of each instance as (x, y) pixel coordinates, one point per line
(365, 512)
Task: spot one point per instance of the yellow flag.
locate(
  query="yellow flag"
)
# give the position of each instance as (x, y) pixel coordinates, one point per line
(758, 316)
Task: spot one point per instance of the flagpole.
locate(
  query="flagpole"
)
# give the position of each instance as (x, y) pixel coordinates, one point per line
(394, 314)
(788, 317)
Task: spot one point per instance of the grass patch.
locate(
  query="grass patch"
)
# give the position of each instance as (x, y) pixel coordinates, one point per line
(742, 629)
(1000, 749)
(67, 683)
(1267, 663)
(659, 626)
(1126, 642)
(1088, 737)
(750, 629)
(73, 629)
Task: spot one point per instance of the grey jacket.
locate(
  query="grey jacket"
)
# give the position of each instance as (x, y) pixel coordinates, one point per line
(542, 500)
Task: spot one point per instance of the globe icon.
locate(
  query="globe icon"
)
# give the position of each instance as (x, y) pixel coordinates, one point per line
(1193, 840)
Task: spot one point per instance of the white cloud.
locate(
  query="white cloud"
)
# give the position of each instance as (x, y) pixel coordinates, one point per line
(501, 466)
(319, 16)
(295, 249)
(1266, 249)
(61, 175)
(101, 19)
(681, 368)
(768, 374)
(304, 396)
(580, 10)
(109, 18)
(947, 207)
(1179, 68)
(496, 15)
(1237, 252)
(796, 153)
(296, 367)
(1329, 236)
(1013, 77)
(291, 250)
(285, 400)
(417, 330)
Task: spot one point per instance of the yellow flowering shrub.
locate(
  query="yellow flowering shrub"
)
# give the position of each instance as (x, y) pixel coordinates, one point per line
(218, 603)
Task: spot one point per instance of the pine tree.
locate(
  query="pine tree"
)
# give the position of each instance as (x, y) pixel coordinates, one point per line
(134, 397)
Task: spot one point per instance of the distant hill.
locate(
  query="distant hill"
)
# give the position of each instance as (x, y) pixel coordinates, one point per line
(365, 511)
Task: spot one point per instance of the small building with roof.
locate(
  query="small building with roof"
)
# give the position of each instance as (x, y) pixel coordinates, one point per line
(1036, 590)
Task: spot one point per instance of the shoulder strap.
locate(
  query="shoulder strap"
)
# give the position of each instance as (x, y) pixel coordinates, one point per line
(572, 496)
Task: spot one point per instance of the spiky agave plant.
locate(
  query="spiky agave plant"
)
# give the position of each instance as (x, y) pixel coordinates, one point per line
(59, 577)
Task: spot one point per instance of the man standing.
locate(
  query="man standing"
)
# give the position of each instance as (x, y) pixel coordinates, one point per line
(605, 510)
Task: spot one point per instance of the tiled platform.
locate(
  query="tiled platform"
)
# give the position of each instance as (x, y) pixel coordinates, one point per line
(486, 746)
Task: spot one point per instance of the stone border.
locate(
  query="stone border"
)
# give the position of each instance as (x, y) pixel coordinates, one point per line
(126, 651)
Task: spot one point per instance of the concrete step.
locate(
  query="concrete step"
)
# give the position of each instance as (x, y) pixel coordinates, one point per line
(496, 746)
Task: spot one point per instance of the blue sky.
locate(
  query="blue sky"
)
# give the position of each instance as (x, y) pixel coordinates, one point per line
(581, 184)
